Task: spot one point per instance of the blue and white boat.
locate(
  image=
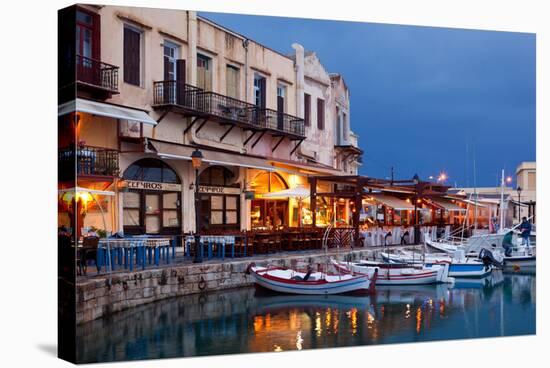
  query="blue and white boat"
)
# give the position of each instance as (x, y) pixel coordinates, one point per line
(459, 266)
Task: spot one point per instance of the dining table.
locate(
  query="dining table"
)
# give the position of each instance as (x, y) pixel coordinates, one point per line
(138, 250)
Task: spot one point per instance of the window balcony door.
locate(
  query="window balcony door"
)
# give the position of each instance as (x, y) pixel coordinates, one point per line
(281, 92)
(87, 47)
(174, 74)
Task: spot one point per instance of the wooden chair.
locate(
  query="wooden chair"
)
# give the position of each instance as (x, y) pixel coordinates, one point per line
(88, 252)
(318, 238)
(275, 242)
(261, 243)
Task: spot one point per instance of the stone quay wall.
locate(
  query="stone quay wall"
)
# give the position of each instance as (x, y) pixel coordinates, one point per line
(97, 298)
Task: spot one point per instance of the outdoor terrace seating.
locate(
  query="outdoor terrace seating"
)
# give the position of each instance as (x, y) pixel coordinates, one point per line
(145, 251)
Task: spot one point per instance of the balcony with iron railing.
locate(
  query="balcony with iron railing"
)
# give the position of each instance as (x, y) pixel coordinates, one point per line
(90, 161)
(280, 122)
(96, 76)
(213, 106)
(174, 93)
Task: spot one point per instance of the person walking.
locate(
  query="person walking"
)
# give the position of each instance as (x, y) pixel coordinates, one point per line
(525, 229)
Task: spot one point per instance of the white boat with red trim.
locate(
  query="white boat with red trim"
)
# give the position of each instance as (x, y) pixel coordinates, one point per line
(311, 283)
(398, 274)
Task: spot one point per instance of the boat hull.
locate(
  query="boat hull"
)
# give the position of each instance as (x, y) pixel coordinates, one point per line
(360, 284)
(466, 270)
(520, 261)
(388, 275)
(456, 268)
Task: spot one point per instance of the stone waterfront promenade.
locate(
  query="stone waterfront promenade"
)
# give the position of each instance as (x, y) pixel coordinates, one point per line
(97, 298)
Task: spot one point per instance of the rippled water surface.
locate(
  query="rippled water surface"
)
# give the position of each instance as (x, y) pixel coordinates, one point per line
(248, 320)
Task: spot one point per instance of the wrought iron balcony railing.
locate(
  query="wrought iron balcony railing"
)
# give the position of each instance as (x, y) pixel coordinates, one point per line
(279, 121)
(89, 161)
(171, 92)
(224, 108)
(97, 73)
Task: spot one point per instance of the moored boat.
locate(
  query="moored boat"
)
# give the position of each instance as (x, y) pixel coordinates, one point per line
(398, 274)
(458, 267)
(311, 283)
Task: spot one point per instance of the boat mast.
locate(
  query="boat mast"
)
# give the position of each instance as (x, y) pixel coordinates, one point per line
(475, 194)
(501, 228)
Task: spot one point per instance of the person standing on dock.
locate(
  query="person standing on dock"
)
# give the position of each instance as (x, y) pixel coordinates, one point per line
(525, 229)
(507, 243)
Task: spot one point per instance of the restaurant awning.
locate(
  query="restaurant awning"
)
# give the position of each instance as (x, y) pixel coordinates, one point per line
(298, 192)
(86, 190)
(396, 190)
(393, 202)
(104, 109)
(183, 152)
(447, 205)
(293, 167)
(473, 203)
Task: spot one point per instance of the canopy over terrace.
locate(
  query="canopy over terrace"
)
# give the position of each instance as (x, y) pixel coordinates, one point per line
(357, 187)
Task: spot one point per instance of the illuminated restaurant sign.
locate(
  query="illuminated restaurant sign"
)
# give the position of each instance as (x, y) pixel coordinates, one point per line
(218, 190)
(149, 185)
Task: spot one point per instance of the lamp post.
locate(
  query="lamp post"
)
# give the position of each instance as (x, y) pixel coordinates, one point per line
(519, 203)
(196, 161)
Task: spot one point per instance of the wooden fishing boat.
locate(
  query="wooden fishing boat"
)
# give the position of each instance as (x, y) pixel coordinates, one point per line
(398, 274)
(310, 283)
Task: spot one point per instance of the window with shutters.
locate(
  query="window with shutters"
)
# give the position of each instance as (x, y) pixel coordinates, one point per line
(232, 81)
(320, 114)
(132, 56)
(171, 52)
(204, 72)
(87, 34)
(259, 90)
(307, 109)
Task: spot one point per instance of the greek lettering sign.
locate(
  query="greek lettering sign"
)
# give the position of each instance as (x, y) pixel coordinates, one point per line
(218, 190)
(148, 185)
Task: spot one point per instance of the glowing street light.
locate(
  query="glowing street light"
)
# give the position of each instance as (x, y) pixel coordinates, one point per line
(508, 179)
(442, 177)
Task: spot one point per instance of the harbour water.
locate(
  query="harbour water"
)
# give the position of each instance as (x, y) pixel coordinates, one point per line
(249, 320)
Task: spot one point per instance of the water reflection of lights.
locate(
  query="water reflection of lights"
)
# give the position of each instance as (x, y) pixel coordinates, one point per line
(418, 319)
(353, 314)
(336, 321)
(441, 308)
(408, 311)
(328, 318)
(277, 348)
(370, 321)
(299, 340)
(318, 324)
(258, 322)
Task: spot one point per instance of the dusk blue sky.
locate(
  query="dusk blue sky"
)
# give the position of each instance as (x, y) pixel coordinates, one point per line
(423, 99)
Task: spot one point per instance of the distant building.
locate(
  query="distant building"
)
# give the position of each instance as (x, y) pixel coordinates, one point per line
(518, 202)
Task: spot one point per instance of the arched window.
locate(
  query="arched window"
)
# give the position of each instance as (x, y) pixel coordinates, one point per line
(266, 182)
(218, 176)
(150, 169)
(269, 213)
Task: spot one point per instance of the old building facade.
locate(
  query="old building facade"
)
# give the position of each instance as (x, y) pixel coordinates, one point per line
(141, 89)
